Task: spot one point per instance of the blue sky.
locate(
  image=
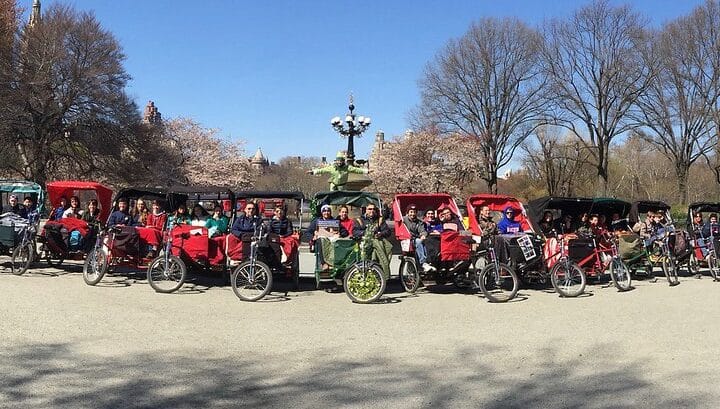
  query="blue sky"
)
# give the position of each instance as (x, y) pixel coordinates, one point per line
(273, 73)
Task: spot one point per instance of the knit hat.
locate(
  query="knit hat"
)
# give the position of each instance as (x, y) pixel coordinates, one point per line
(325, 207)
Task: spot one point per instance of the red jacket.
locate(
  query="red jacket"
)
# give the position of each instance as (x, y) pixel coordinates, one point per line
(157, 221)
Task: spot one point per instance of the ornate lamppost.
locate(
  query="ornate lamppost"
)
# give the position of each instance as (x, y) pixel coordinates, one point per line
(352, 126)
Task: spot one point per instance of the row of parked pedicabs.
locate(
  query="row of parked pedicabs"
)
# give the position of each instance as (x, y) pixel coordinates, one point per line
(467, 259)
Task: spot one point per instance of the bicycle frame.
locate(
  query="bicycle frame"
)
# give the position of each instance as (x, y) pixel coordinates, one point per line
(593, 263)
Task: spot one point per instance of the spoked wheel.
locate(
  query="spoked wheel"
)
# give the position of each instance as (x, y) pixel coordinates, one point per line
(693, 265)
(498, 284)
(22, 256)
(166, 276)
(714, 266)
(620, 275)
(669, 266)
(251, 281)
(568, 279)
(364, 282)
(409, 274)
(95, 267)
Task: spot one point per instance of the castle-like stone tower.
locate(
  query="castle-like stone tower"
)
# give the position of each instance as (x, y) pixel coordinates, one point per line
(152, 115)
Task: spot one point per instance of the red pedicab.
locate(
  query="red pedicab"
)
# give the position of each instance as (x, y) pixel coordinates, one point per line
(72, 238)
(459, 258)
(126, 247)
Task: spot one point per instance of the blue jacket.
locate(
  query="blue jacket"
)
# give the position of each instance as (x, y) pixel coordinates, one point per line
(118, 217)
(282, 227)
(507, 226)
(244, 224)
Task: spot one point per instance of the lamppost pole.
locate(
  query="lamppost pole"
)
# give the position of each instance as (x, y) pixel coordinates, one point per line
(351, 127)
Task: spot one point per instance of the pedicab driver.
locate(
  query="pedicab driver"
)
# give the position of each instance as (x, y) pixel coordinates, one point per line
(374, 226)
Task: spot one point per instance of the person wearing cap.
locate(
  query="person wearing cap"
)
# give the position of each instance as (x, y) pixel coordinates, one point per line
(13, 206)
(338, 172)
(371, 225)
(324, 252)
(418, 234)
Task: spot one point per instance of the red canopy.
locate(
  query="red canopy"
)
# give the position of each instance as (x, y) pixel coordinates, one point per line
(84, 190)
(497, 203)
(424, 202)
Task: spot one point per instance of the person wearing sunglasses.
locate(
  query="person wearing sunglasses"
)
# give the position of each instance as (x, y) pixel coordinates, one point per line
(373, 226)
(508, 224)
(247, 222)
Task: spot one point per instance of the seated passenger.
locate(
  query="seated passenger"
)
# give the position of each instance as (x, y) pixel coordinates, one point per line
(140, 213)
(508, 224)
(697, 224)
(617, 224)
(565, 225)
(247, 222)
(74, 210)
(546, 224)
(314, 234)
(418, 234)
(121, 217)
(157, 219)
(217, 224)
(57, 213)
(711, 228)
(432, 224)
(29, 210)
(91, 215)
(371, 225)
(345, 221)
(449, 221)
(13, 206)
(180, 216)
(283, 227)
(199, 216)
(593, 228)
(649, 230)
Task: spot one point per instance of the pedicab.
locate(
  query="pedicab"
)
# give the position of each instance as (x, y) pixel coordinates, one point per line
(17, 233)
(593, 255)
(72, 238)
(454, 255)
(125, 247)
(348, 261)
(668, 248)
(278, 253)
(705, 241)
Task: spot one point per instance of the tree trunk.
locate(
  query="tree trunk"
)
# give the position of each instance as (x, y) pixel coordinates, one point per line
(681, 172)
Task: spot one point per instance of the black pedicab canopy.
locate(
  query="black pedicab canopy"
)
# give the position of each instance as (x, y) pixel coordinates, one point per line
(607, 206)
(574, 206)
(268, 194)
(702, 207)
(643, 206)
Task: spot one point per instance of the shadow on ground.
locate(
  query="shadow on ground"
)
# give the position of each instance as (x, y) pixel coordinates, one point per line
(58, 375)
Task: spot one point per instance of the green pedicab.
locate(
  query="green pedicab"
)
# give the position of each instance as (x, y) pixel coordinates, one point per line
(17, 235)
(350, 261)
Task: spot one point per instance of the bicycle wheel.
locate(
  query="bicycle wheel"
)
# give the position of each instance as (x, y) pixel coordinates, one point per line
(364, 282)
(670, 268)
(251, 281)
(22, 256)
(409, 274)
(714, 266)
(498, 283)
(620, 275)
(95, 267)
(166, 276)
(568, 279)
(693, 265)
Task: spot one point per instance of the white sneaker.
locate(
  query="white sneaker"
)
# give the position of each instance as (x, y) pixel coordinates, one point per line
(427, 267)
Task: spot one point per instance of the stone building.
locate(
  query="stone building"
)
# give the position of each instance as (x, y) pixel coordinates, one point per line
(259, 162)
(152, 115)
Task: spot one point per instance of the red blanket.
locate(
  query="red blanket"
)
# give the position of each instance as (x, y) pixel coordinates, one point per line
(290, 246)
(191, 243)
(454, 247)
(150, 235)
(72, 224)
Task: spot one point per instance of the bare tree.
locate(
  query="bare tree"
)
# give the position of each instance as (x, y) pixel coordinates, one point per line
(557, 160)
(289, 175)
(676, 111)
(487, 86)
(66, 103)
(595, 63)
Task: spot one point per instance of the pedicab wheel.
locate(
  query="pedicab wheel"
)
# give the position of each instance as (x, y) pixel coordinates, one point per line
(670, 269)
(620, 275)
(568, 279)
(498, 284)
(22, 256)
(95, 267)
(364, 282)
(251, 281)
(409, 275)
(693, 266)
(166, 276)
(714, 267)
